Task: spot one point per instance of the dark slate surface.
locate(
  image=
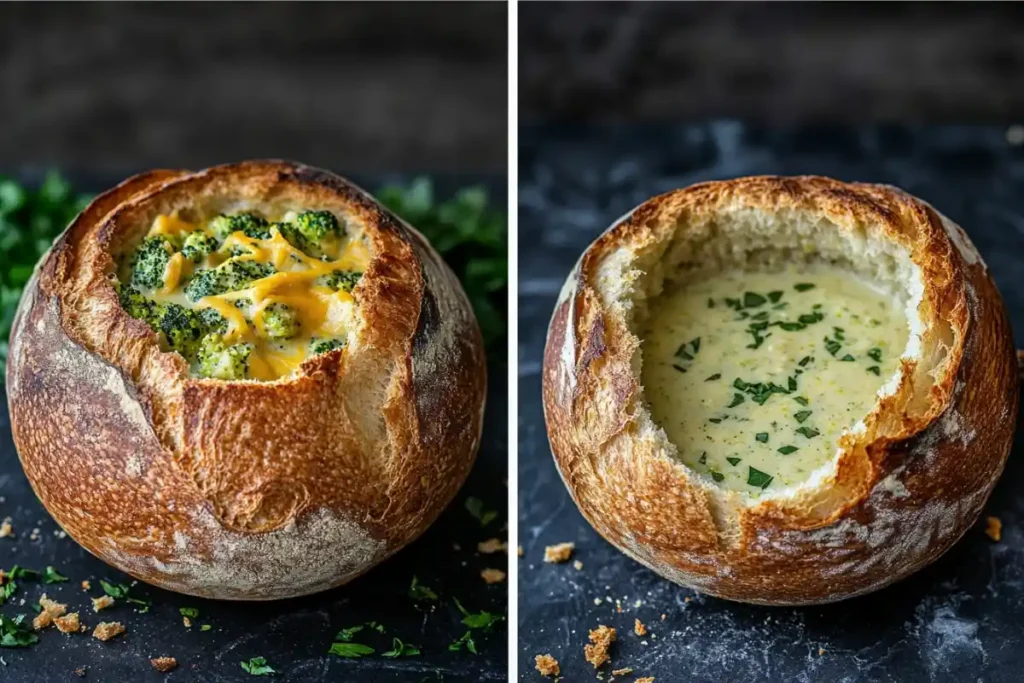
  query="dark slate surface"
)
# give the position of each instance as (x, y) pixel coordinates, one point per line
(958, 620)
(293, 635)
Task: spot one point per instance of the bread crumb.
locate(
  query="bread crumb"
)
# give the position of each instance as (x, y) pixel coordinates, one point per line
(821, 651)
(50, 611)
(664, 617)
(519, 551)
(647, 679)
(639, 628)
(994, 528)
(187, 622)
(106, 630)
(622, 672)
(547, 665)
(6, 529)
(81, 671)
(618, 606)
(602, 638)
(578, 565)
(492, 545)
(164, 664)
(86, 586)
(102, 602)
(69, 623)
(558, 553)
(493, 575)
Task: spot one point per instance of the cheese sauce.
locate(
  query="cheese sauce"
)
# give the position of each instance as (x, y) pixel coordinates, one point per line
(755, 375)
(321, 311)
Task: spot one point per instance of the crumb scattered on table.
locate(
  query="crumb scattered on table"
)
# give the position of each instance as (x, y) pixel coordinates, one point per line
(558, 553)
(106, 630)
(547, 665)
(69, 623)
(646, 679)
(164, 664)
(493, 575)
(994, 528)
(601, 638)
(86, 586)
(187, 622)
(578, 565)
(492, 545)
(639, 628)
(50, 610)
(6, 529)
(623, 672)
(101, 603)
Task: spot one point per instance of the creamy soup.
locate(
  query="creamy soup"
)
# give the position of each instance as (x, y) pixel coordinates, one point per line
(755, 375)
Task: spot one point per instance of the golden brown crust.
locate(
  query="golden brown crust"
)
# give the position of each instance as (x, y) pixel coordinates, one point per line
(903, 492)
(242, 489)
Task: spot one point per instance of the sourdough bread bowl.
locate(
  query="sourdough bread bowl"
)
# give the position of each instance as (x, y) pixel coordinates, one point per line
(253, 459)
(665, 478)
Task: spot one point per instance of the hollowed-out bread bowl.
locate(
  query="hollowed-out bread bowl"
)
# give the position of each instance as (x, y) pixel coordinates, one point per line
(245, 489)
(902, 481)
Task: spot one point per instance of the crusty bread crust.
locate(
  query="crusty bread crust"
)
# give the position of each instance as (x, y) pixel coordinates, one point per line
(903, 489)
(244, 490)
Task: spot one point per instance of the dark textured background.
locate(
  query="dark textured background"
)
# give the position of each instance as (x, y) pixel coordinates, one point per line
(956, 621)
(417, 87)
(771, 61)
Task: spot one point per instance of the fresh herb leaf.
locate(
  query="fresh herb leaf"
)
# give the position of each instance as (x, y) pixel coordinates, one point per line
(14, 634)
(774, 296)
(695, 344)
(803, 286)
(786, 450)
(682, 353)
(762, 437)
(466, 641)
(802, 415)
(417, 591)
(257, 666)
(53, 576)
(713, 377)
(791, 383)
(875, 369)
(875, 354)
(479, 620)
(205, 627)
(808, 432)
(703, 460)
(350, 650)
(190, 612)
(345, 635)
(400, 649)
(717, 476)
(758, 478)
(752, 300)
(734, 461)
(715, 420)
(736, 400)
(805, 360)
(802, 400)
(679, 368)
(475, 507)
(121, 591)
(847, 358)
(832, 346)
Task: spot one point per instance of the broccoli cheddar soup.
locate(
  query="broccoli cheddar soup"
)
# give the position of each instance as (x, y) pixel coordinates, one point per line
(755, 375)
(246, 296)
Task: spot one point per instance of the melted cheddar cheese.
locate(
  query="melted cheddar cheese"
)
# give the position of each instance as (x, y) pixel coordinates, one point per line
(297, 282)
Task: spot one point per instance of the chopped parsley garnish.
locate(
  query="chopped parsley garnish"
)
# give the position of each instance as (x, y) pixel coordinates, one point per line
(465, 641)
(786, 450)
(832, 346)
(774, 296)
(400, 649)
(717, 476)
(734, 461)
(847, 358)
(756, 477)
(257, 666)
(190, 612)
(875, 354)
(802, 400)
(678, 368)
(703, 458)
(715, 420)
(419, 592)
(711, 303)
(752, 300)
(345, 635)
(53, 576)
(13, 634)
(350, 650)
(762, 437)
(791, 383)
(805, 360)
(802, 415)
(121, 592)
(875, 369)
(479, 620)
(803, 286)
(713, 377)
(808, 432)
(736, 400)
(475, 507)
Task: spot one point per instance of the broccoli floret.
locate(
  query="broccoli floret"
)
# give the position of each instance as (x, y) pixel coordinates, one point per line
(218, 360)
(315, 225)
(150, 262)
(250, 224)
(230, 276)
(212, 320)
(182, 328)
(138, 306)
(318, 346)
(197, 246)
(340, 280)
(280, 321)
